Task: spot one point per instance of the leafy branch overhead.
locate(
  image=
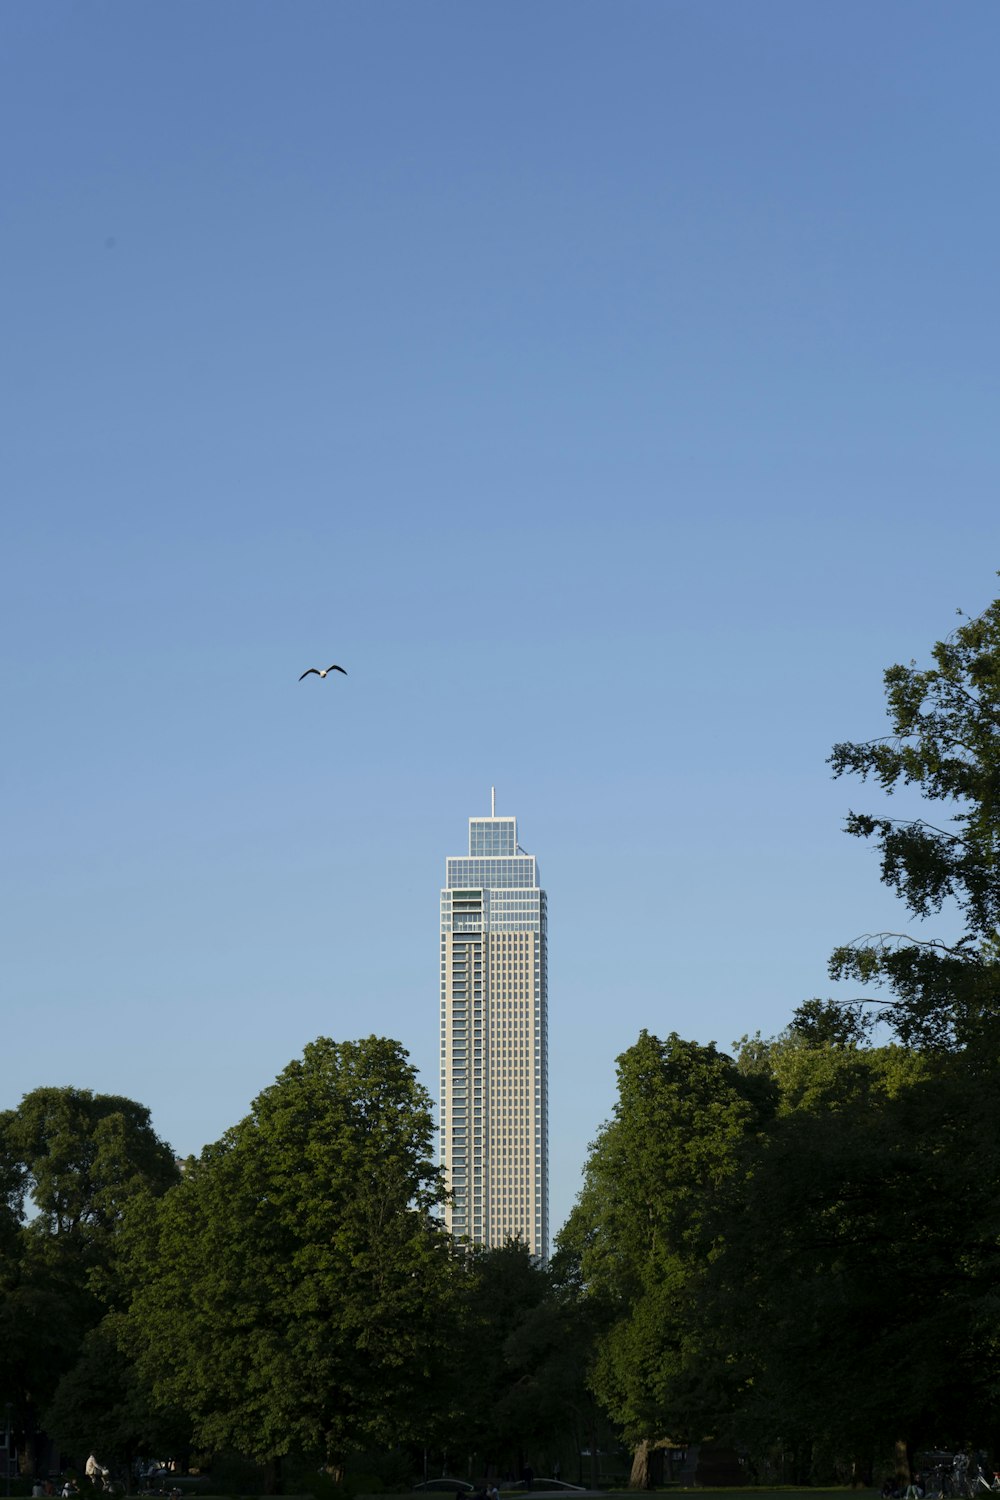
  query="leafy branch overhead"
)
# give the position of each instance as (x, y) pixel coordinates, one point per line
(945, 741)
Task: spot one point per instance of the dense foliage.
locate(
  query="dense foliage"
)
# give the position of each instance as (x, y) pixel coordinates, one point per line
(70, 1163)
(641, 1227)
(944, 741)
(522, 1394)
(291, 1291)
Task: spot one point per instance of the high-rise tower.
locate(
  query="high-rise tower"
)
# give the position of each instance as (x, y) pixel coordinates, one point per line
(494, 1040)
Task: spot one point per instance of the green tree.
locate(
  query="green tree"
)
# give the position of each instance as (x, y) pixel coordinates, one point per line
(80, 1158)
(639, 1230)
(500, 1288)
(944, 740)
(70, 1161)
(293, 1290)
(521, 1344)
(858, 1279)
(818, 1021)
(104, 1404)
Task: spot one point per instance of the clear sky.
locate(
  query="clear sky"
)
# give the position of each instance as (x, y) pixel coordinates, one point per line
(611, 388)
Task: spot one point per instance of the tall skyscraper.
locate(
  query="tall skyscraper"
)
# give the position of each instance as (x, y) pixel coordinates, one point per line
(494, 1040)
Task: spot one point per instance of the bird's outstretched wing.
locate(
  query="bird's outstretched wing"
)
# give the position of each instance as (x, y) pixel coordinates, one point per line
(335, 668)
(308, 670)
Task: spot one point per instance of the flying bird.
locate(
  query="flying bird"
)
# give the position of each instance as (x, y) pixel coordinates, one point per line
(322, 672)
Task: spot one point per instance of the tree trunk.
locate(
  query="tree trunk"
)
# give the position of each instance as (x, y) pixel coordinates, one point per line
(335, 1468)
(904, 1464)
(639, 1479)
(32, 1441)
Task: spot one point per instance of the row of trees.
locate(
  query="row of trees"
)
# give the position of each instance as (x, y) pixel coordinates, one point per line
(793, 1249)
(797, 1250)
(291, 1294)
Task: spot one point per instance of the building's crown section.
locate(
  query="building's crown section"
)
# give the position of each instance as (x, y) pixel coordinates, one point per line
(495, 860)
(491, 837)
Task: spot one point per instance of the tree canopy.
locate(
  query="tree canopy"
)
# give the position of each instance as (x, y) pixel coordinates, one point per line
(640, 1223)
(70, 1162)
(290, 1291)
(525, 1343)
(867, 1238)
(944, 740)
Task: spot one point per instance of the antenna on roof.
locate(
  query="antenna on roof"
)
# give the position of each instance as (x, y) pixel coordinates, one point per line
(493, 801)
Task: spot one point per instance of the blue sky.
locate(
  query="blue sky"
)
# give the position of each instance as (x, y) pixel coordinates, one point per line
(612, 389)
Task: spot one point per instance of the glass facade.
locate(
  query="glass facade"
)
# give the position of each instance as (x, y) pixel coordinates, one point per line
(491, 837)
(494, 1040)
